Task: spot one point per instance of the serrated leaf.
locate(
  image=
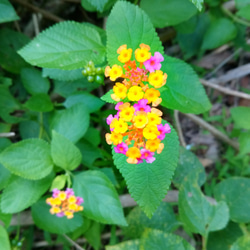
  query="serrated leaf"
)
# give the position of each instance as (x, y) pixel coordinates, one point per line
(198, 4)
(63, 75)
(128, 24)
(156, 239)
(197, 213)
(33, 81)
(107, 97)
(80, 44)
(64, 153)
(4, 239)
(101, 201)
(148, 183)
(39, 103)
(241, 116)
(163, 13)
(126, 245)
(235, 191)
(4, 176)
(183, 90)
(51, 223)
(71, 123)
(29, 159)
(242, 243)
(21, 193)
(7, 13)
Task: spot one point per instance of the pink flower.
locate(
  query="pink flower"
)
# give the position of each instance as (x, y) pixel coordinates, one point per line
(163, 130)
(139, 160)
(69, 192)
(61, 214)
(147, 155)
(142, 106)
(154, 63)
(55, 192)
(121, 148)
(109, 119)
(118, 105)
(79, 200)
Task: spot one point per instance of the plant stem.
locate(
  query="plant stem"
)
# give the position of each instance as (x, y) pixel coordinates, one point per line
(41, 125)
(244, 229)
(235, 18)
(204, 242)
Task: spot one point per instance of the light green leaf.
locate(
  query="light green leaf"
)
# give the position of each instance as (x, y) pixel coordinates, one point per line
(21, 193)
(5, 218)
(51, 223)
(235, 191)
(197, 213)
(29, 159)
(7, 12)
(92, 102)
(244, 12)
(167, 13)
(63, 75)
(39, 103)
(183, 90)
(163, 219)
(156, 239)
(107, 97)
(244, 141)
(148, 183)
(64, 153)
(72, 123)
(4, 239)
(126, 245)
(242, 243)
(128, 24)
(241, 116)
(101, 201)
(80, 44)
(213, 38)
(4, 176)
(34, 82)
(59, 182)
(198, 4)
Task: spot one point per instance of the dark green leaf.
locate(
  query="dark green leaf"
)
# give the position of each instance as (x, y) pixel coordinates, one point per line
(97, 5)
(39, 103)
(93, 235)
(244, 141)
(7, 13)
(244, 12)
(63, 75)
(29, 129)
(241, 116)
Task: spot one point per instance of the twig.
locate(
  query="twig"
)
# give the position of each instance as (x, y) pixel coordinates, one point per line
(178, 127)
(72, 242)
(213, 130)
(225, 90)
(45, 13)
(36, 25)
(10, 134)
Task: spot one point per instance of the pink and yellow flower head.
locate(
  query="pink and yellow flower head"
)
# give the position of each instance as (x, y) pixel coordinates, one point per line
(64, 203)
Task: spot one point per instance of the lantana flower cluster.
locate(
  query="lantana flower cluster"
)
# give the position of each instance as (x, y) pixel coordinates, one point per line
(64, 203)
(137, 130)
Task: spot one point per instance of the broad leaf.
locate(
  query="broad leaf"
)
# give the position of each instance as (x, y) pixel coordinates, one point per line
(97, 5)
(63, 75)
(198, 4)
(71, 123)
(148, 183)
(4, 176)
(93, 235)
(4, 239)
(183, 90)
(39, 103)
(21, 193)
(242, 243)
(64, 153)
(166, 13)
(244, 12)
(7, 12)
(126, 245)
(51, 223)
(241, 116)
(235, 192)
(59, 182)
(29, 129)
(101, 201)
(5, 218)
(128, 24)
(29, 159)
(80, 44)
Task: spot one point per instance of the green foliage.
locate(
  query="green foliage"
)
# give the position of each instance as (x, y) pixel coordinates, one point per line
(241, 244)
(101, 200)
(241, 116)
(4, 177)
(107, 97)
(4, 239)
(241, 3)
(28, 159)
(59, 182)
(244, 141)
(97, 5)
(7, 13)
(39, 103)
(93, 235)
(126, 245)
(235, 192)
(80, 43)
(244, 12)
(63, 75)
(148, 183)
(163, 12)
(198, 4)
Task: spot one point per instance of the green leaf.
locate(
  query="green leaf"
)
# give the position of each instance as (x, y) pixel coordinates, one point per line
(244, 12)
(188, 164)
(155, 239)
(213, 38)
(183, 90)
(244, 141)
(33, 81)
(29, 129)
(241, 3)
(235, 191)
(93, 235)
(163, 219)
(59, 182)
(80, 44)
(51, 223)
(198, 4)
(7, 13)
(4, 239)
(64, 153)
(197, 213)
(63, 75)
(128, 24)
(10, 42)
(98, 5)
(4, 176)
(242, 243)
(167, 13)
(107, 97)
(5, 218)
(29, 159)
(72, 123)
(39, 103)
(92, 102)
(241, 116)
(148, 183)
(126, 245)
(93, 136)
(21, 193)
(101, 201)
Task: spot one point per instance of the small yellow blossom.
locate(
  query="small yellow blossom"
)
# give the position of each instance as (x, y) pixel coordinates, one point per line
(135, 93)
(142, 54)
(124, 53)
(157, 78)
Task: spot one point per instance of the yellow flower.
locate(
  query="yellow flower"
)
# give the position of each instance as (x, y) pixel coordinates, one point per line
(124, 53)
(69, 214)
(116, 138)
(127, 114)
(119, 126)
(140, 120)
(154, 119)
(55, 210)
(157, 78)
(62, 196)
(72, 199)
(142, 54)
(120, 90)
(153, 145)
(133, 153)
(150, 132)
(135, 93)
(114, 72)
(152, 95)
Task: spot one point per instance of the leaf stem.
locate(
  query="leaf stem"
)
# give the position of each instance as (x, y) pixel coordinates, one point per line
(41, 125)
(235, 18)
(204, 242)
(244, 229)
